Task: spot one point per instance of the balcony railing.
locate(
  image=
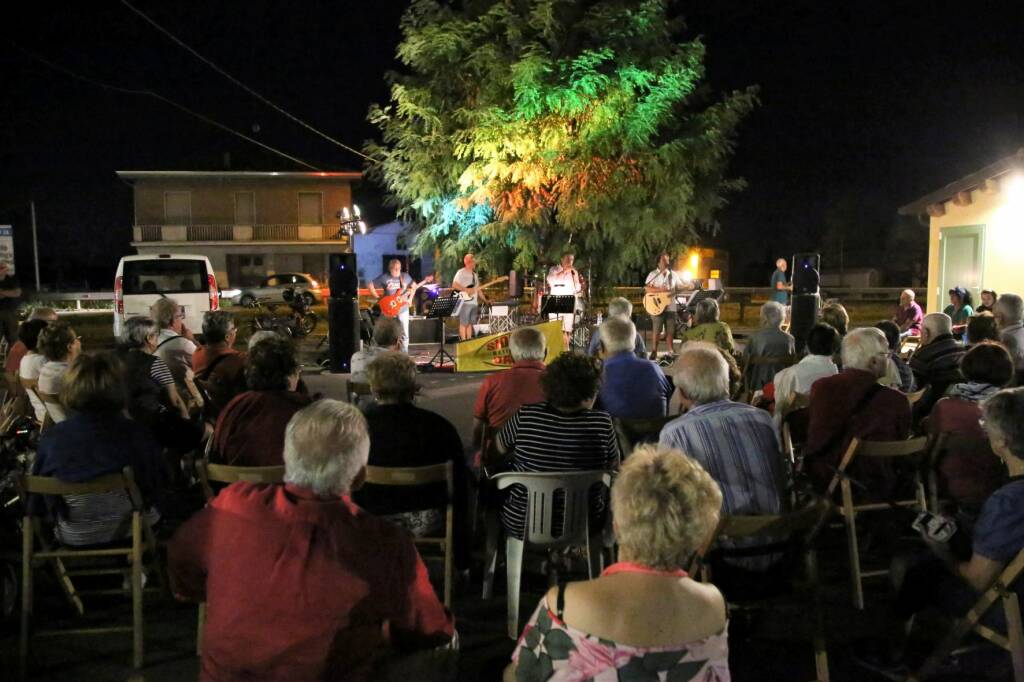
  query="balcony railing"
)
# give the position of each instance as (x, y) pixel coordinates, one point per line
(279, 232)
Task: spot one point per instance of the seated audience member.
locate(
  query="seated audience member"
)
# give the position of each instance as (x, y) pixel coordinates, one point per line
(969, 476)
(988, 302)
(403, 435)
(61, 345)
(736, 443)
(708, 327)
(258, 336)
(766, 343)
(176, 344)
(619, 307)
(563, 433)
(97, 439)
(822, 344)
(387, 336)
(959, 308)
(936, 362)
(217, 364)
(502, 393)
(1009, 314)
(153, 398)
(632, 387)
(852, 404)
(300, 583)
(898, 374)
(953, 581)
(981, 327)
(250, 429)
(835, 314)
(644, 612)
(17, 351)
(31, 362)
(908, 315)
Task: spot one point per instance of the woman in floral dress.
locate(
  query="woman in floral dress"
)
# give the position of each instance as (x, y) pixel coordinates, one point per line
(644, 615)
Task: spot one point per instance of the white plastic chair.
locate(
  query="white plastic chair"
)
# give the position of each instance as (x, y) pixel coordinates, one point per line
(540, 519)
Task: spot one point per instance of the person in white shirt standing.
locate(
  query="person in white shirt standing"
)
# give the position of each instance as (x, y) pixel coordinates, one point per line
(564, 280)
(664, 280)
(822, 344)
(467, 283)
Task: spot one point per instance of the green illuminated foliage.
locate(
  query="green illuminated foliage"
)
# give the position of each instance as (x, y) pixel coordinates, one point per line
(521, 127)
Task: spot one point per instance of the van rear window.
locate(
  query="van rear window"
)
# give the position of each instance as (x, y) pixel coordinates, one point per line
(171, 276)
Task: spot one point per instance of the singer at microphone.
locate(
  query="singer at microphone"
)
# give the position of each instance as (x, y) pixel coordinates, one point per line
(563, 280)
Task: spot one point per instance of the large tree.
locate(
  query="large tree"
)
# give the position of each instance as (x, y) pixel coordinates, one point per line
(520, 128)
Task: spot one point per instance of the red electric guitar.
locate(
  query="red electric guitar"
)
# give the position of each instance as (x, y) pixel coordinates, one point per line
(393, 305)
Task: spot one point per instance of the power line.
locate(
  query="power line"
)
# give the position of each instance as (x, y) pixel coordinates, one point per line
(149, 93)
(240, 84)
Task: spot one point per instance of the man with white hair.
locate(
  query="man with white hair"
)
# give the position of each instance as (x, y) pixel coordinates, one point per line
(768, 343)
(853, 404)
(735, 442)
(1009, 314)
(301, 583)
(504, 392)
(622, 308)
(936, 363)
(632, 387)
(909, 314)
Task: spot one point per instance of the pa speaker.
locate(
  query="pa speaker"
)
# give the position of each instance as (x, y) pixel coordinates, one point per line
(806, 273)
(802, 316)
(343, 278)
(343, 325)
(515, 284)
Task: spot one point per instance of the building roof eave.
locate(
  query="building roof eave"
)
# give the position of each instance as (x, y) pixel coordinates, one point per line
(1014, 162)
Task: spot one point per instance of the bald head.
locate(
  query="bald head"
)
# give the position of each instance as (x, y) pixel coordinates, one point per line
(781, 264)
(469, 260)
(907, 297)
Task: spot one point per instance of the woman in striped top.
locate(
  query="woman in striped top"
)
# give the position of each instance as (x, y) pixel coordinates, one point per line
(564, 433)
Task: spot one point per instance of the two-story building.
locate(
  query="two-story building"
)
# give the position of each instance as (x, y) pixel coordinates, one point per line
(249, 224)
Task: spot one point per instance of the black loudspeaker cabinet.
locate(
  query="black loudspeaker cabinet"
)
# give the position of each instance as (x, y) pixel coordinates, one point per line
(806, 273)
(343, 329)
(802, 316)
(343, 278)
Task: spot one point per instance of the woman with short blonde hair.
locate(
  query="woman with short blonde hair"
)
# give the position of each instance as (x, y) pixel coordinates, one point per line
(666, 506)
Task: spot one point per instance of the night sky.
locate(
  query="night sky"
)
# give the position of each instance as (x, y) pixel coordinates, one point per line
(865, 106)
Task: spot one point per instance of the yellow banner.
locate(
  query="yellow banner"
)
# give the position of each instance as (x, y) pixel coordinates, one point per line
(491, 352)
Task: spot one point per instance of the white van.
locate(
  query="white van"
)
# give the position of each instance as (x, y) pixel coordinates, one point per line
(142, 280)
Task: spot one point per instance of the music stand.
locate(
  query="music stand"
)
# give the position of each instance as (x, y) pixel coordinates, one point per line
(441, 308)
(553, 304)
(702, 294)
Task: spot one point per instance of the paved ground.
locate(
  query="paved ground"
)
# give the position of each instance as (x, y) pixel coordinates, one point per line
(774, 645)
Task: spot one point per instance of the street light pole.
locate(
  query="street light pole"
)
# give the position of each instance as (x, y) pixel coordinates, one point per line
(35, 243)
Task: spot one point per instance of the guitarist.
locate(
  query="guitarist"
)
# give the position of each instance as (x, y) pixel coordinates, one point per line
(467, 283)
(664, 280)
(392, 282)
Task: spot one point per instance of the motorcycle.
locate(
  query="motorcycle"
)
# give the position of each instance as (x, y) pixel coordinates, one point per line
(298, 322)
(17, 449)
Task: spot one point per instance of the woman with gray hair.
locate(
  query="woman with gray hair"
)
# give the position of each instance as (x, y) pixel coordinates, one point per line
(708, 327)
(404, 435)
(769, 350)
(153, 398)
(175, 343)
(644, 612)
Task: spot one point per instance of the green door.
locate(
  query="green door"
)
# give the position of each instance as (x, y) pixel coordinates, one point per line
(961, 260)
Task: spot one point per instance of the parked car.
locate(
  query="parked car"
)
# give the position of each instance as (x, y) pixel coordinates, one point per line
(142, 280)
(271, 289)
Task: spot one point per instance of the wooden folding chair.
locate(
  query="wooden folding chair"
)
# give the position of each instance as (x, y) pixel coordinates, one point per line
(796, 531)
(912, 448)
(425, 475)
(142, 540)
(1013, 641)
(914, 396)
(633, 432)
(779, 362)
(223, 473)
(965, 494)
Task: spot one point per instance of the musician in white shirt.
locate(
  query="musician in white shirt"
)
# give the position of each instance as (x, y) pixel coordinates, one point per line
(467, 283)
(564, 280)
(664, 280)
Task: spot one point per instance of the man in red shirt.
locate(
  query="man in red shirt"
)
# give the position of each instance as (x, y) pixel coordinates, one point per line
(502, 393)
(853, 404)
(300, 583)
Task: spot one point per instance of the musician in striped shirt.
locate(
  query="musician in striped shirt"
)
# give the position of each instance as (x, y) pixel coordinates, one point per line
(564, 433)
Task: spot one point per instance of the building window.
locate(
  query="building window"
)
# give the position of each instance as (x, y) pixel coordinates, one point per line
(311, 208)
(177, 208)
(245, 208)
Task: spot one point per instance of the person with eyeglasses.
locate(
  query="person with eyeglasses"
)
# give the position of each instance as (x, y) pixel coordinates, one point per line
(176, 343)
(217, 363)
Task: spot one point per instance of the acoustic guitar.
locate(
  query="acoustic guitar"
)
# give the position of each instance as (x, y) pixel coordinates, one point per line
(393, 305)
(655, 304)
